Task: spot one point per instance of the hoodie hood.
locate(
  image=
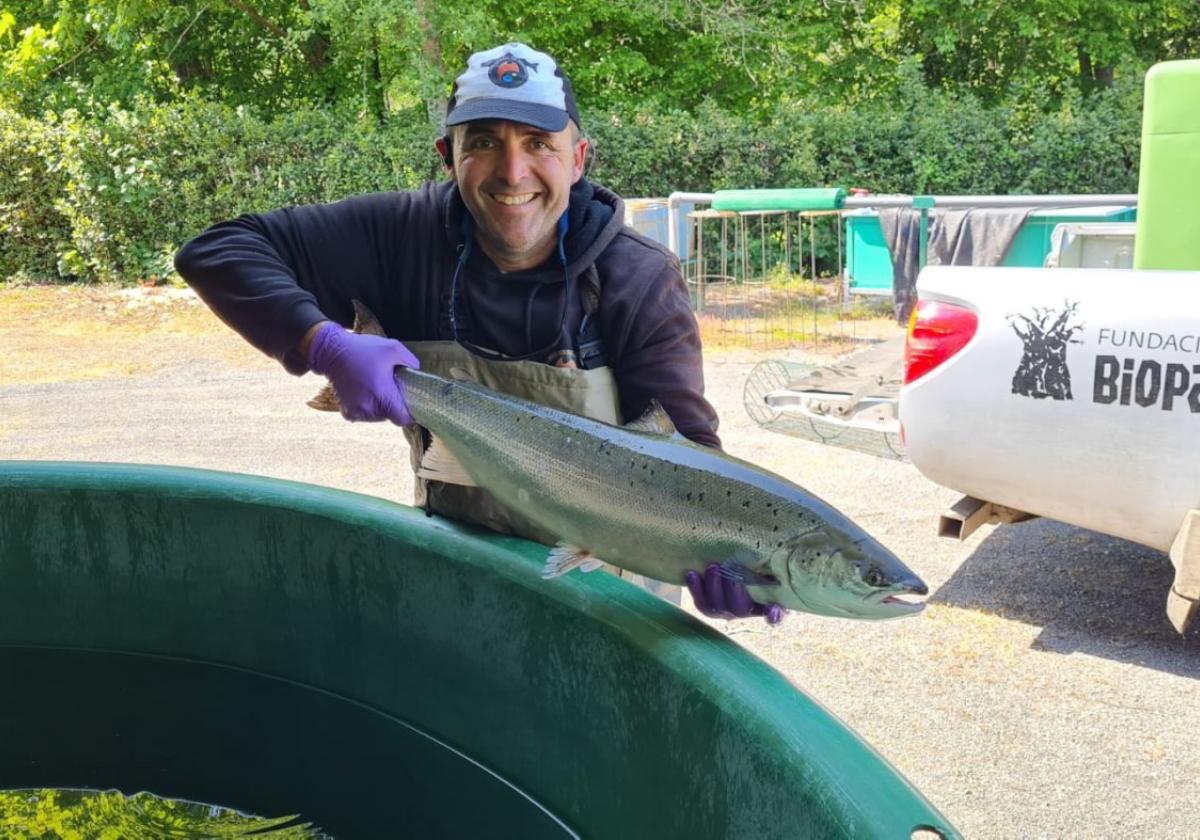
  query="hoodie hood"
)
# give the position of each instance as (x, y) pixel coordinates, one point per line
(595, 216)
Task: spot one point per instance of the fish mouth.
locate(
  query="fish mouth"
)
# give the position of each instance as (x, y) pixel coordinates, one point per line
(893, 601)
(900, 606)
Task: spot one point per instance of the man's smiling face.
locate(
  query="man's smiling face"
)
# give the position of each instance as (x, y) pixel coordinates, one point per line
(515, 180)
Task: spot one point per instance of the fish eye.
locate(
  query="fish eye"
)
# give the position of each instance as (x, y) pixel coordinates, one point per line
(873, 577)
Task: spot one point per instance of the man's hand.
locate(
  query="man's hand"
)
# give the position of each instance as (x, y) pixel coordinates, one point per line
(718, 596)
(362, 370)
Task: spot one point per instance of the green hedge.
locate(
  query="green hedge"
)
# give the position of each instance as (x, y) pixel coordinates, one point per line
(922, 142)
(33, 230)
(112, 196)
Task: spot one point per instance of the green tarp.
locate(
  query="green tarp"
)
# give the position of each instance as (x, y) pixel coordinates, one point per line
(797, 199)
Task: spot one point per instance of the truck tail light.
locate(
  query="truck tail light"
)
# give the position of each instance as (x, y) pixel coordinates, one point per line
(936, 331)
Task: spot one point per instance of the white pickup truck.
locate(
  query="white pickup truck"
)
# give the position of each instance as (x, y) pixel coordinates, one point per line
(1072, 394)
(1081, 404)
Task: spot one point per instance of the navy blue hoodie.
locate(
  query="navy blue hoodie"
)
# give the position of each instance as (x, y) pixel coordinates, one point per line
(273, 276)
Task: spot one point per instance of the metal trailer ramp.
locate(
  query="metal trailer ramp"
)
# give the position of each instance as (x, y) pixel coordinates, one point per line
(852, 403)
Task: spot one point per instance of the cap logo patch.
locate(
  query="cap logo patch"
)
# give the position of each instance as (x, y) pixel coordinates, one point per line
(509, 71)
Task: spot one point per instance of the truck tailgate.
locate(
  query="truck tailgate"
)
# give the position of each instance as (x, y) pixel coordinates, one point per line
(1078, 398)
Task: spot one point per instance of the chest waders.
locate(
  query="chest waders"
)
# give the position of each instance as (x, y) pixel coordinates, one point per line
(569, 375)
(589, 393)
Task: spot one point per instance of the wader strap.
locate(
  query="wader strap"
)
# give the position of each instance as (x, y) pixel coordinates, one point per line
(589, 350)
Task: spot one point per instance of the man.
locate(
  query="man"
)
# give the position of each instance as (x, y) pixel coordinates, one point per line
(516, 269)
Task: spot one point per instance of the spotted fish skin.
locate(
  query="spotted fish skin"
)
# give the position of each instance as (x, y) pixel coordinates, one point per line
(646, 499)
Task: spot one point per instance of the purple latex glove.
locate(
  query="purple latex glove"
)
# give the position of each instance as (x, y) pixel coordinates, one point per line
(720, 596)
(362, 370)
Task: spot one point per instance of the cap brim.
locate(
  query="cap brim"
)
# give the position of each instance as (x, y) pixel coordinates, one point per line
(545, 117)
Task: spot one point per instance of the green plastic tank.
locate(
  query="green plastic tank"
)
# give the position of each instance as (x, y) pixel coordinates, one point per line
(281, 648)
(1033, 241)
(869, 261)
(1168, 236)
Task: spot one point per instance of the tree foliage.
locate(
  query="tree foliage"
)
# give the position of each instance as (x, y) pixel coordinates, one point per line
(383, 56)
(997, 49)
(128, 125)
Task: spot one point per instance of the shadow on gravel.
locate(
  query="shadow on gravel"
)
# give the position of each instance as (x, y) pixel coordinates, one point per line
(1089, 593)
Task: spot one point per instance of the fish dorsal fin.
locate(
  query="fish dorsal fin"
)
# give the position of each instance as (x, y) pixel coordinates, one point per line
(654, 420)
(365, 322)
(439, 464)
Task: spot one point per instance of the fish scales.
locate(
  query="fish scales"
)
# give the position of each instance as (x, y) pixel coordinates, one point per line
(577, 481)
(644, 498)
(655, 504)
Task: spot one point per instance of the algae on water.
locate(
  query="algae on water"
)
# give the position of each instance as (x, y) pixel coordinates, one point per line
(110, 815)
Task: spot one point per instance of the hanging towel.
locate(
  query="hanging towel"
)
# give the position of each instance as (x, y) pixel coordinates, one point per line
(974, 236)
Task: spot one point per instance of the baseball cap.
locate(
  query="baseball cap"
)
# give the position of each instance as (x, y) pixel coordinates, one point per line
(513, 82)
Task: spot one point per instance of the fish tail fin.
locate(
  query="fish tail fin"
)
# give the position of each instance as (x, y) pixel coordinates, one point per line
(365, 323)
(326, 400)
(563, 558)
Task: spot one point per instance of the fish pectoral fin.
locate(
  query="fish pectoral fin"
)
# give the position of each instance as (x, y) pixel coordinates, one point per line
(439, 464)
(563, 558)
(734, 569)
(654, 420)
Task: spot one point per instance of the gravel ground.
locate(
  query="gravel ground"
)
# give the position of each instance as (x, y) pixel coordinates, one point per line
(1041, 694)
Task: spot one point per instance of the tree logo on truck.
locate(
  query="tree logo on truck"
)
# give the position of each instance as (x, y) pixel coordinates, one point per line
(1043, 371)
